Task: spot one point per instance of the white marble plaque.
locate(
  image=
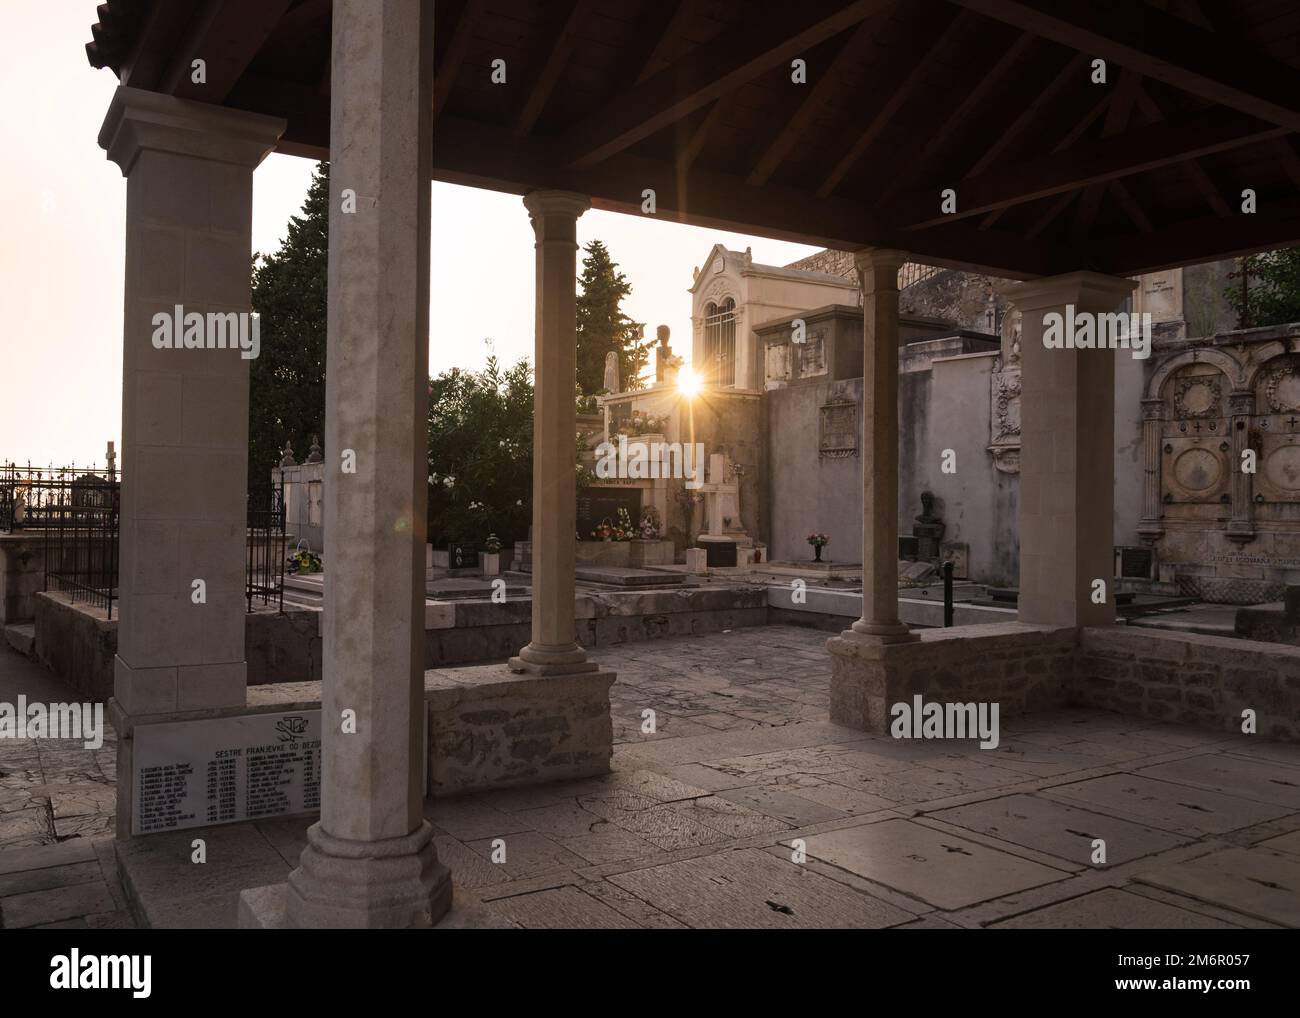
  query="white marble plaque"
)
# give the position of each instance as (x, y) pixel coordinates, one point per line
(223, 770)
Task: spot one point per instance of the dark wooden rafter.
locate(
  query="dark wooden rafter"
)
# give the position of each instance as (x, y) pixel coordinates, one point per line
(1080, 128)
(975, 97)
(553, 66)
(1287, 155)
(1129, 152)
(1195, 172)
(1069, 73)
(226, 35)
(904, 71)
(699, 137)
(1118, 115)
(448, 66)
(1164, 47)
(663, 32)
(707, 73)
(826, 77)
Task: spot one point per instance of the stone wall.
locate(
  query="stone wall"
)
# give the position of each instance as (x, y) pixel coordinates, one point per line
(77, 643)
(1020, 667)
(22, 575)
(1200, 680)
(489, 728)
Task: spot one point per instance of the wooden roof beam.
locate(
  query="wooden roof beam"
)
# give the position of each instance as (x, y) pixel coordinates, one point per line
(1162, 47)
(226, 35)
(446, 69)
(709, 72)
(553, 67)
(1132, 151)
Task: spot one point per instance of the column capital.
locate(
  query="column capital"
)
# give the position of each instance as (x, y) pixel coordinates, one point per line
(138, 119)
(1089, 291)
(873, 259)
(556, 203)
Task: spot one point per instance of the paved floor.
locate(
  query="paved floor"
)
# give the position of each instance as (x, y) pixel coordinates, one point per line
(744, 807)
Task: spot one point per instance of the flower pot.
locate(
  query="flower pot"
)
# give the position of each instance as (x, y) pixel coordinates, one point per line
(491, 563)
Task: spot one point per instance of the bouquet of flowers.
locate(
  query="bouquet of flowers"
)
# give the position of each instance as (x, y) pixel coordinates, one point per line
(818, 540)
(649, 523)
(492, 545)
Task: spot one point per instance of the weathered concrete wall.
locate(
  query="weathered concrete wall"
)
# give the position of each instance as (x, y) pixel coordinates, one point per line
(946, 405)
(1022, 668)
(1130, 385)
(490, 728)
(807, 492)
(1201, 680)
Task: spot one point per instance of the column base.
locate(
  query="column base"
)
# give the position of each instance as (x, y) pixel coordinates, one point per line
(537, 659)
(394, 883)
(876, 633)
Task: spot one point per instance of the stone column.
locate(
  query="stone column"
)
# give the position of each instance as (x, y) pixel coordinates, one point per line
(1241, 527)
(878, 275)
(370, 860)
(1153, 411)
(1067, 454)
(553, 649)
(189, 198)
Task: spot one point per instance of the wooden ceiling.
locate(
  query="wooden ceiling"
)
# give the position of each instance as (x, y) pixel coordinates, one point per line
(904, 98)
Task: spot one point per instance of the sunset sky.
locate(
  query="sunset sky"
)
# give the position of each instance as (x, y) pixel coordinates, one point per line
(61, 262)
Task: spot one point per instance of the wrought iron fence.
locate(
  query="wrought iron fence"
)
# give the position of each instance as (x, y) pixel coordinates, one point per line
(78, 511)
(80, 523)
(266, 547)
(36, 498)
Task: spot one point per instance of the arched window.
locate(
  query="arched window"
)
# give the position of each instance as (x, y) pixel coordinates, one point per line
(719, 365)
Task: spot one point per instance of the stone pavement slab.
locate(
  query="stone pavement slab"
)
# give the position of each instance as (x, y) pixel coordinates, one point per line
(751, 889)
(1253, 881)
(1112, 909)
(1258, 780)
(1057, 829)
(1163, 804)
(946, 871)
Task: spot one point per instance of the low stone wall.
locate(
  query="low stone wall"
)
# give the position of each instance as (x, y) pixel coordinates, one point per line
(490, 728)
(1020, 667)
(77, 643)
(1187, 677)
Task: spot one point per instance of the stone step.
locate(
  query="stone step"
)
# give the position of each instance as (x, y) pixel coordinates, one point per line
(22, 637)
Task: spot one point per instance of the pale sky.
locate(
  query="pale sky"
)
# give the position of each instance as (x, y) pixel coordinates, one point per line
(61, 253)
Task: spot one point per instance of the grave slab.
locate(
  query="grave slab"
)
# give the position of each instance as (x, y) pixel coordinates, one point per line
(945, 871)
(1162, 804)
(751, 889)
(1259, 780)
(1111, 908)
(1253, 881)
(1066, 832)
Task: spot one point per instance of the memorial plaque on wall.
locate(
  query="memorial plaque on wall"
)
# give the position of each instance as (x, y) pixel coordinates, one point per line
(600, 504)
(224, 770)
(839, 429)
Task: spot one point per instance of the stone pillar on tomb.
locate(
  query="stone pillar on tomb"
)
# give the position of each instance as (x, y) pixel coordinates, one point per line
(1149, 527)
(1067, 452)
(552, 649)
(189, 169)
(878, 273)
(370, 861)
